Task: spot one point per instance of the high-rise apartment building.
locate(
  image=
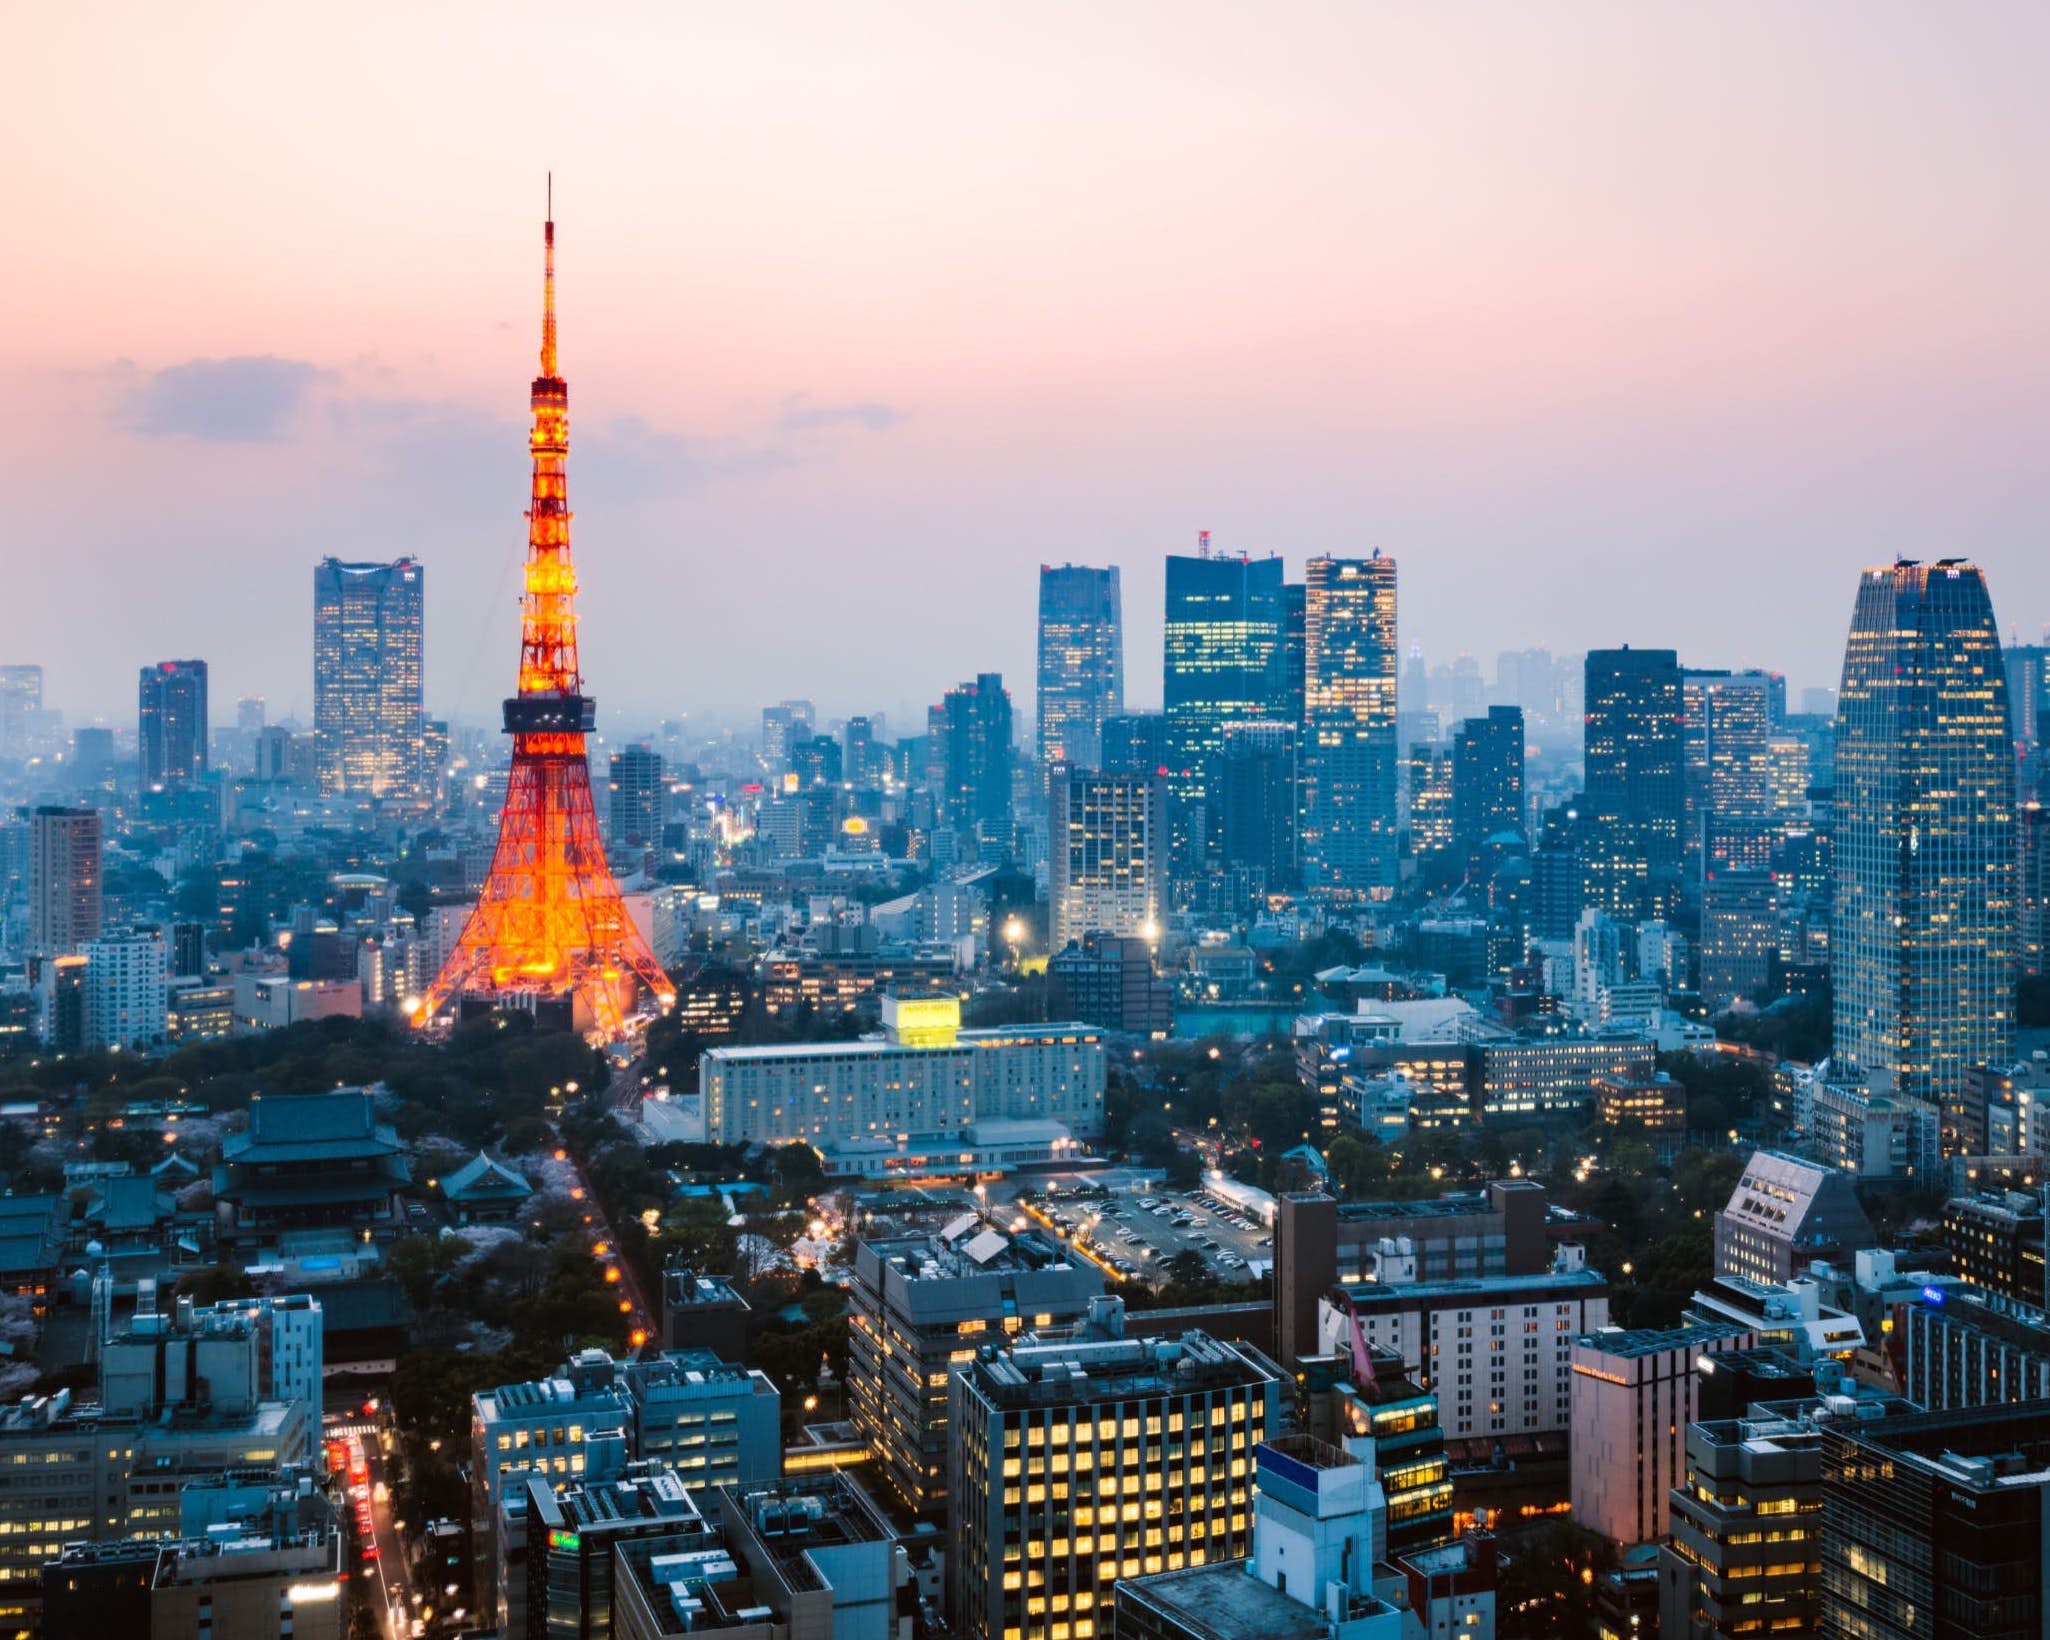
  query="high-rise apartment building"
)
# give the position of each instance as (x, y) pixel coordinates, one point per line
(1632, 809)
(1349, 824)
(368, 623)
(1487, 779)
(634, 797)
(1081, 661)
(1222, 663)
(968, 741)
(126, 995)
(64, 879)
(1923, 945)
(1258, 805)
(171, 732)
(1079, 1461)
(1106, 853)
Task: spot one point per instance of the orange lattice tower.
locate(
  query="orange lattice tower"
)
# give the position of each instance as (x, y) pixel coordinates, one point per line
(549, 924)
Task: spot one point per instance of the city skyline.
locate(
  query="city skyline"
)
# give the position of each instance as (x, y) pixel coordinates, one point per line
(1783, 380)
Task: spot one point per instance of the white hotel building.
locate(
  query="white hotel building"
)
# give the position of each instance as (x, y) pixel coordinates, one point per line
(924, 1075)
(1497, 1351)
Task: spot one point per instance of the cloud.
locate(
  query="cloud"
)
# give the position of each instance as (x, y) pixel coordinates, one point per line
(802, 416)
(249, 399)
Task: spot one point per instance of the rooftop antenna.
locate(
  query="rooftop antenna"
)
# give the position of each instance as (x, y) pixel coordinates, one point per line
(548, 298)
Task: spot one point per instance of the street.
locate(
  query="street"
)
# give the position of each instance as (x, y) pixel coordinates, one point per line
(371, 1495)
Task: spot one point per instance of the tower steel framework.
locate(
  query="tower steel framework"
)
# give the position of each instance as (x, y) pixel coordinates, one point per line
(550, 922)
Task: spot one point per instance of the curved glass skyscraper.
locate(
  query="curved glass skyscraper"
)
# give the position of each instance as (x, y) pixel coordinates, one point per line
(1923, 942)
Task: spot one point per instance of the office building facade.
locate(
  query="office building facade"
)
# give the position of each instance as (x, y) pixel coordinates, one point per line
(1258, 805)
(1349, 823)
(368, 708)
(1487, 780)
(918, 1308)
(1078, 1462)
(1786, 1213)
(1081, 661)
(635, 797)
(968, 740)
(171, 722)
(1222, 663)
(1634, 1394)
(1934, 1525)
(1632, 809)
(924, 1076)
(1923, 943)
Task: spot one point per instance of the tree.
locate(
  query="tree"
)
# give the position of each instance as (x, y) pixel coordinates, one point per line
(1187, 1269)
(420, 1263)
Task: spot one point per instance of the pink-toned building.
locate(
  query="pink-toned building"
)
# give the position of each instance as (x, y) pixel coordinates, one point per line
(1634, 1394)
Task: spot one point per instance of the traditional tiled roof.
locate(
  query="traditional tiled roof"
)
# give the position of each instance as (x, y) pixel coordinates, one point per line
(482, 1179)
(313, 1127)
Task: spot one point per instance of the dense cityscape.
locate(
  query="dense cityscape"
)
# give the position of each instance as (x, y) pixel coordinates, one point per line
(1381, 1146)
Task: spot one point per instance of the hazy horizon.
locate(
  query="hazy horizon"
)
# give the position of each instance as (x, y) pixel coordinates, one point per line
(1609, 325)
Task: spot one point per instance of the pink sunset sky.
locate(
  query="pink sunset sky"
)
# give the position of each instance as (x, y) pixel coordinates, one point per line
(1610, 322)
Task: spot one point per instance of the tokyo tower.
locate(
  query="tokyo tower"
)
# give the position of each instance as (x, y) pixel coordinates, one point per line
(549, 925)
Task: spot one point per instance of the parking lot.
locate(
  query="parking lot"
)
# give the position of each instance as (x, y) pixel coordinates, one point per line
(1137, 1229)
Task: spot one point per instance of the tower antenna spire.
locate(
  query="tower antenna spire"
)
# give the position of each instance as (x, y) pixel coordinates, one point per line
(548, 295)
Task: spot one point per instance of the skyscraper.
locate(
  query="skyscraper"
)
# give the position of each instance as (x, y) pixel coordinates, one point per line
(64, 880)
(171, 736)
(1135, 743)
(1631, 813)
(1487, 779)
(1222, 663)
(1106, 853)
(634, 797)
(783, 726)
(1081, 661)
(1349, 827)
(1258, 805)
(1925, 930)
(1295, 637)
(968, 739)
(2028, 704)
(861, 761)
(367, 703)
(21, 705)
(1726, 741)
(1430, 800)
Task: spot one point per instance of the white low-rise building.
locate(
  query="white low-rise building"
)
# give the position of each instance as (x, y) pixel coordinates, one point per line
(924, 1075)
